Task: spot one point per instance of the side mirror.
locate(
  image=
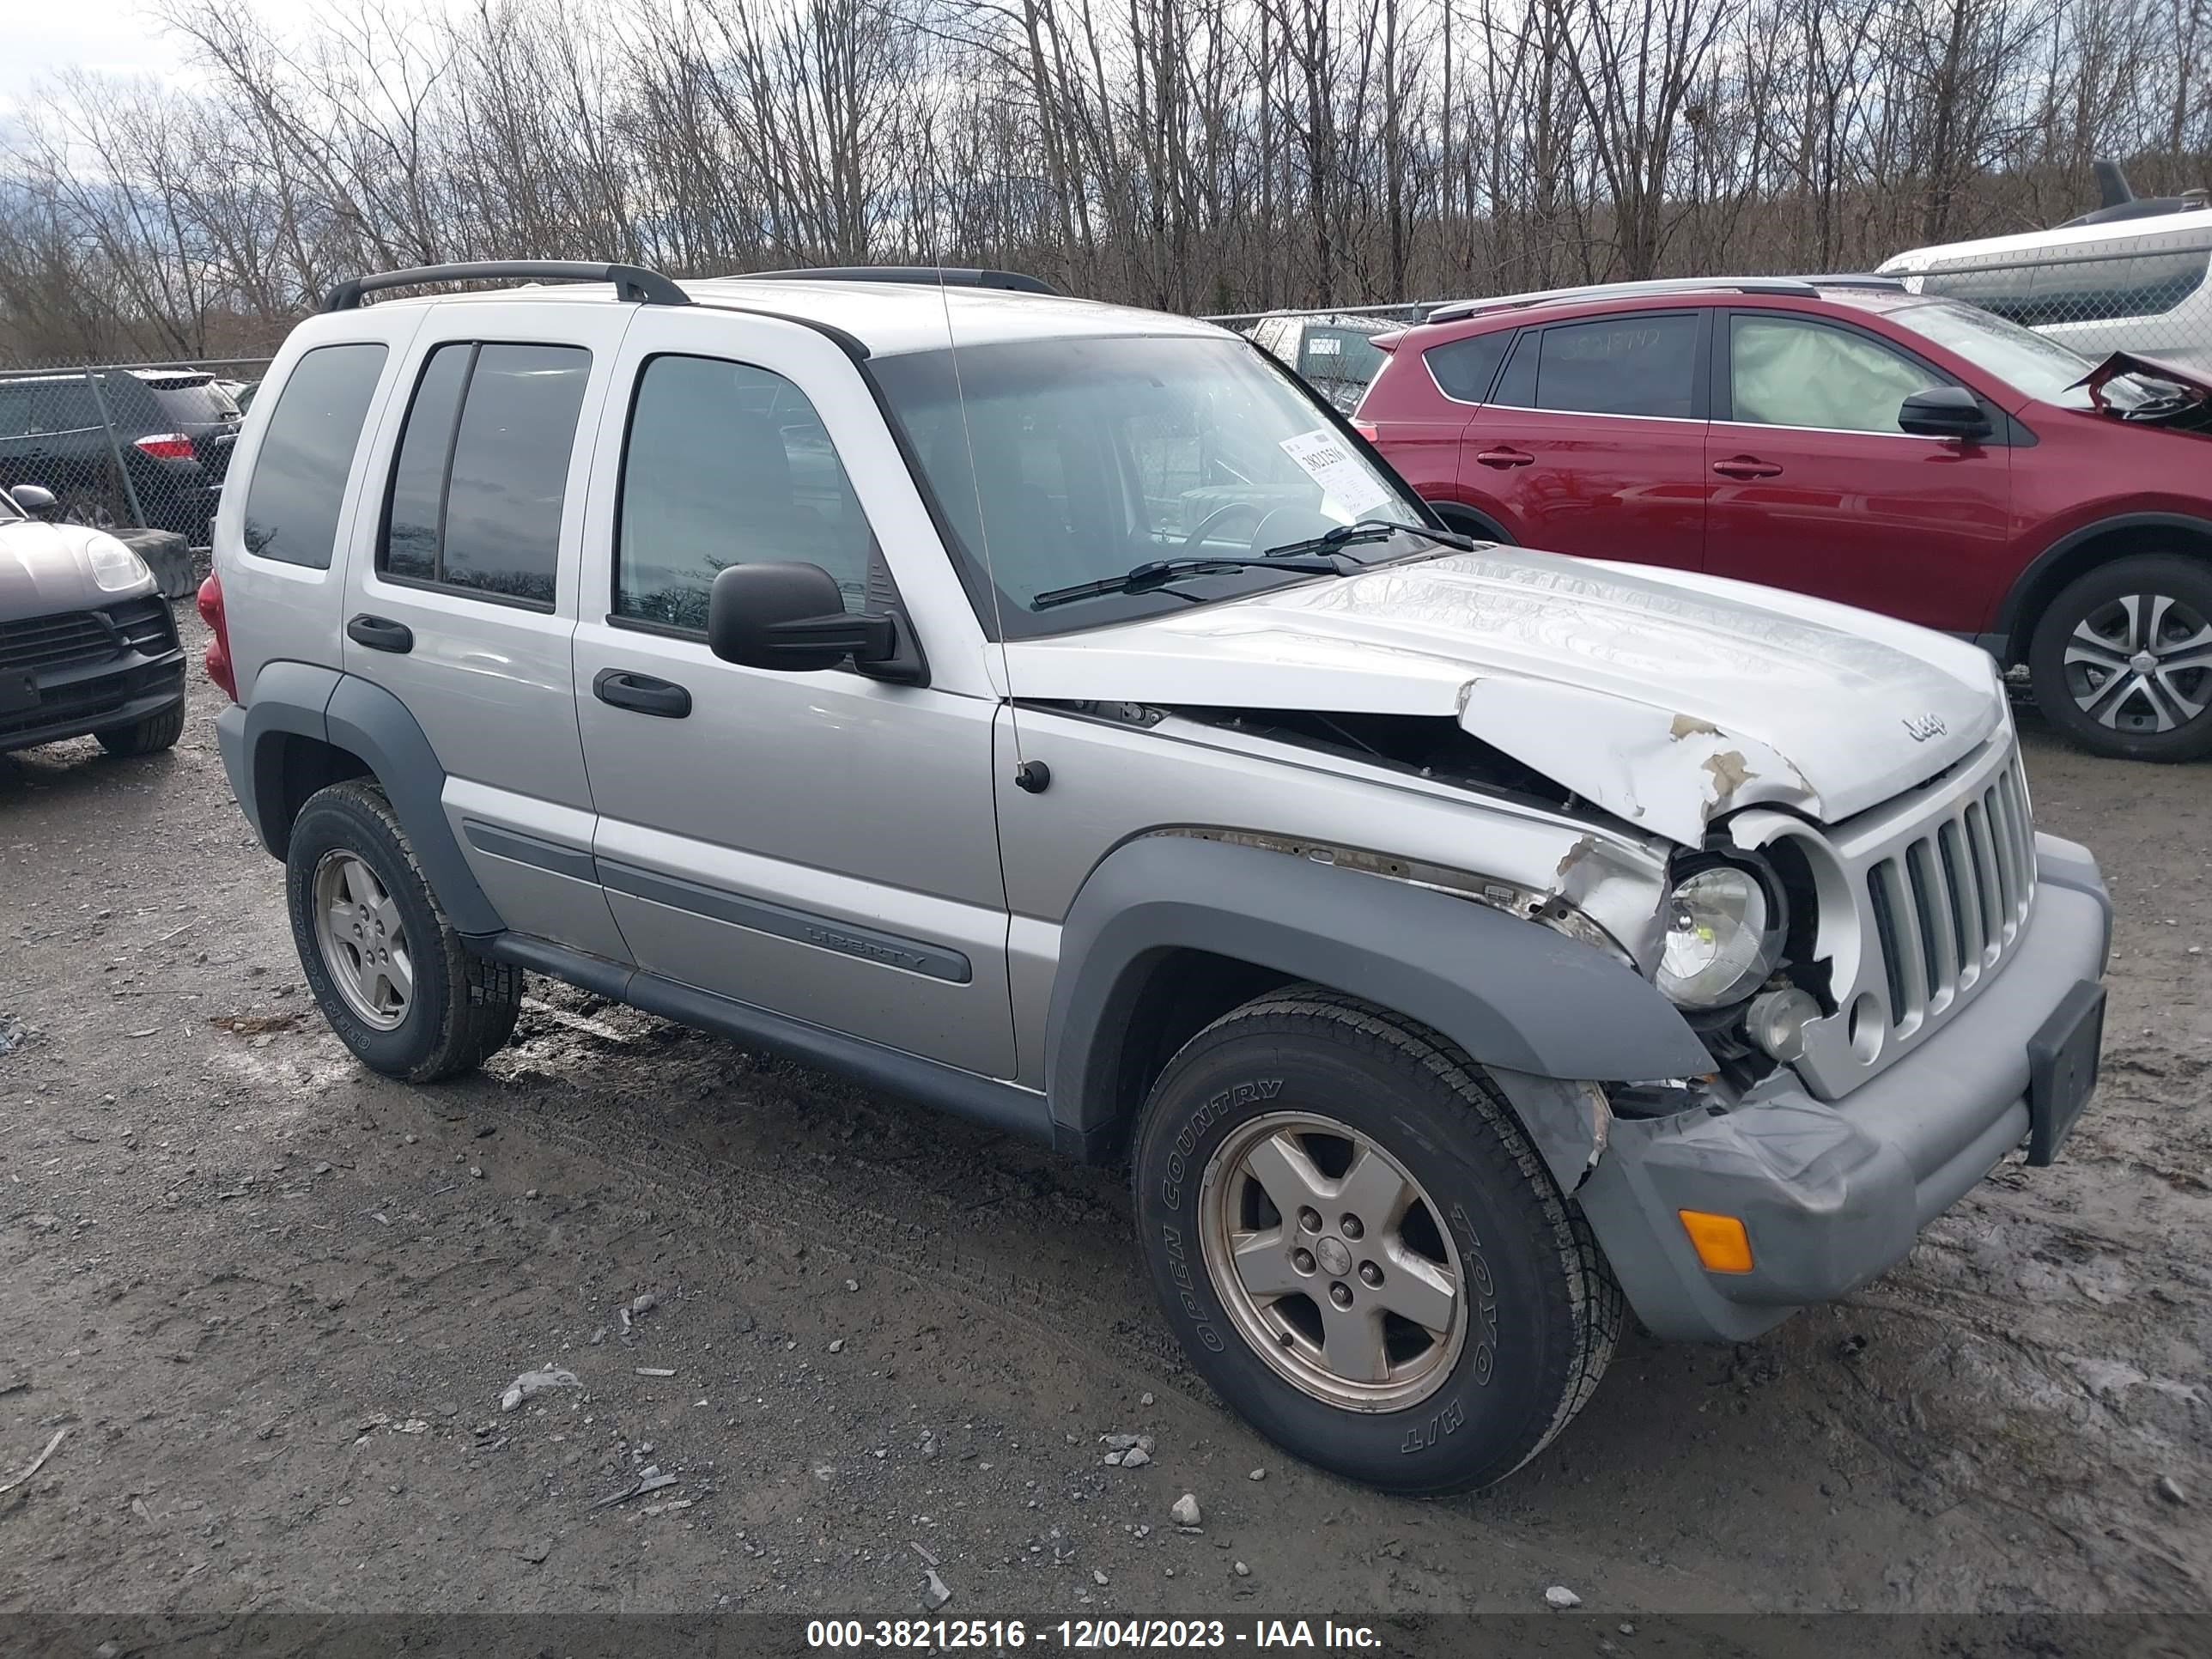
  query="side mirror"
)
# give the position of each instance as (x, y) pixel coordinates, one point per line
(1943, 411)
(792, 617)
(36, 499)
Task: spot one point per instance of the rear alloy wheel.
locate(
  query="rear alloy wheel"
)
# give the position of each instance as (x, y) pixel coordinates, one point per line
(363, 939)
(2122, 661)
(399, 986)
(91, 507)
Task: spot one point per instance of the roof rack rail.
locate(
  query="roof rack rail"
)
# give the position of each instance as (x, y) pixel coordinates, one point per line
(633, 284)
(927, 276)
(1802, 287)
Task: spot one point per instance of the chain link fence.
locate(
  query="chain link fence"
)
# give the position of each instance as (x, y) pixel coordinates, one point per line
(125, 447)
(2104, 292)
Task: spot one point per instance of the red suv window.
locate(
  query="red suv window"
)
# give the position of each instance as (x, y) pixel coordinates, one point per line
(1631, 365)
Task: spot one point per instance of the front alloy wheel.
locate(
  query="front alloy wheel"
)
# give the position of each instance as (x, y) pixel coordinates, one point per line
(1332, 1262)
(2141, 664)
(2122, 660)
(1359, 1248)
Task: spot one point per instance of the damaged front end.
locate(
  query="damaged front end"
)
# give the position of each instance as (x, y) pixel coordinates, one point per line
(2147, 392)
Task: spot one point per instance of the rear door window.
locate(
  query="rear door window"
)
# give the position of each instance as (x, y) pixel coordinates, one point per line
(299, 481)
(482, 474)
(1632, 364)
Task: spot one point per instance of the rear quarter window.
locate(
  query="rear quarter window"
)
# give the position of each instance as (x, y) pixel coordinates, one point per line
(298, 487)
(1463, 369)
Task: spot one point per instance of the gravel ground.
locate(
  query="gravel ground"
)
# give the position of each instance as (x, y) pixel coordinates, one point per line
(274, 1301)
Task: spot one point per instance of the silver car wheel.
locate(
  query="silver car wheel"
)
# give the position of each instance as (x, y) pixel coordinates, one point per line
(2141, 664)
(363, 941)
(1332, 1262)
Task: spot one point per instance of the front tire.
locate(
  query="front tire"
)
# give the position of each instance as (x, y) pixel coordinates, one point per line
(1360, 1250)
(390, 974)
(147, 736)
(2121, 662)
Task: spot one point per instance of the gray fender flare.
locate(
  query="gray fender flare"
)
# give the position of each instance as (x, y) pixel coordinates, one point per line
(1540, 1012)
(288, 698)
(376, 725)
(367, 720)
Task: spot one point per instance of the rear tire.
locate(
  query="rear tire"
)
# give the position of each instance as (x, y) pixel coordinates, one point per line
(149, 736)
(395, 981)
(2121, 661)
(1460, 1214)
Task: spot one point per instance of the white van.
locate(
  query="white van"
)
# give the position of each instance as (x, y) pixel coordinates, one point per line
(2130, 276)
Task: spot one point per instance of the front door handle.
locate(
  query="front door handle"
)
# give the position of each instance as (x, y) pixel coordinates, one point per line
(1502, 456)
(641, 693)
(381, 634)
(1747, 466)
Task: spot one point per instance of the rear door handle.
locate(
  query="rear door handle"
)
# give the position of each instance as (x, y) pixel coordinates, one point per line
(381, 634)
(1747, 466)
(1502, 458)
(641, 693)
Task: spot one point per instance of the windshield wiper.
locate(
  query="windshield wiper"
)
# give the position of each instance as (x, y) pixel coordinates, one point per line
(1372, 530)
(1160, 572)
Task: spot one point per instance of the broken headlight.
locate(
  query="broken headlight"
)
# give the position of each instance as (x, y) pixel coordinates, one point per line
(1724, 929)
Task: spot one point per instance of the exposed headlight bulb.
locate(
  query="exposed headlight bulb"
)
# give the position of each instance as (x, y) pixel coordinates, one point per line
(1724, 932)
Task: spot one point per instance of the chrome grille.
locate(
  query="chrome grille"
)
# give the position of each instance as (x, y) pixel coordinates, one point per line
(1949, 903)
(1919, 903)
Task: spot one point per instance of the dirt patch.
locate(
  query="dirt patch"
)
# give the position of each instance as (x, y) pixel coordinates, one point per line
(276, 1302)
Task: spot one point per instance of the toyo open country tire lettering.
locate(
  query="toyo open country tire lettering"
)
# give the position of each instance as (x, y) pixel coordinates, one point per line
(2121, 661)
(387, 968)
(1310, 1172)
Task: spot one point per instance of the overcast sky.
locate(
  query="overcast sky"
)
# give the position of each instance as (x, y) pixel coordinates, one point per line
(119, 37)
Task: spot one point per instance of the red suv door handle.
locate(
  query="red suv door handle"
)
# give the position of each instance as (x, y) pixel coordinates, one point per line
(1747, 466)
(1502, 458)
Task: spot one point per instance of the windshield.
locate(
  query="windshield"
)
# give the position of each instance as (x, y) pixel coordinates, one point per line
(2034, 363)
(8, 508)
(1095, 455)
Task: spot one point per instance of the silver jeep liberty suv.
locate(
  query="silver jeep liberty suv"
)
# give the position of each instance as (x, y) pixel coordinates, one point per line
(1057, 715)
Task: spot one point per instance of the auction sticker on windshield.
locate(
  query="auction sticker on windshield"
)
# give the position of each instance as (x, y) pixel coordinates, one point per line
(1322, 455)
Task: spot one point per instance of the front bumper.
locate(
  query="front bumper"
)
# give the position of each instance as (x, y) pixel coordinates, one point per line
(1833, 1193)
(81, 699)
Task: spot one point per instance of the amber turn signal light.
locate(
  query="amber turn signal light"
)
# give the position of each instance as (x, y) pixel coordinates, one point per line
(1719, 1240)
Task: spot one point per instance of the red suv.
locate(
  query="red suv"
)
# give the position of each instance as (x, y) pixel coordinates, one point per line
(1845, 438)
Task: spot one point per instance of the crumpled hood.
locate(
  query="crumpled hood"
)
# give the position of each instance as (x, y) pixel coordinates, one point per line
(2191, 411)
(1664, 697)
(44, 568)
